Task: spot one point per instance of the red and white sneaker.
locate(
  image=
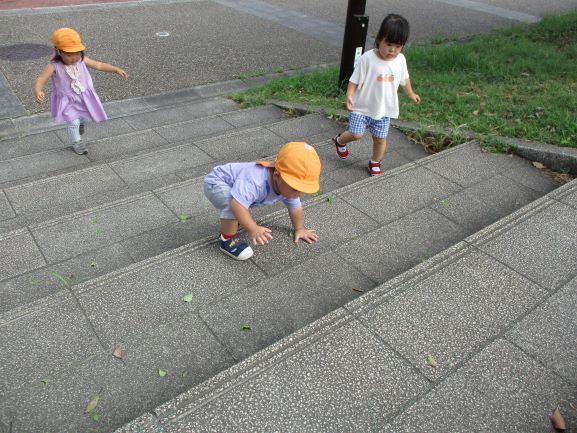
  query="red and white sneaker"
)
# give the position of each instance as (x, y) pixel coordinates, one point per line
(375, 168)
(342, 150)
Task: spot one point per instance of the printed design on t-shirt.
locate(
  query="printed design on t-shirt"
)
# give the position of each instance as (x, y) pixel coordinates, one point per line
(386, 78)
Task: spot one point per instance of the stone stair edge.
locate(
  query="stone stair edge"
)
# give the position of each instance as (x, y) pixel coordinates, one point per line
(140, 131)
(243, 130)
(51, 126)
(51, 221)
(195, 397)
(558, 158)
(260, 361)
(131, 156)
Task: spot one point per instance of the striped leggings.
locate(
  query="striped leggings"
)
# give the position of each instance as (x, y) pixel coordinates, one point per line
(74, 130)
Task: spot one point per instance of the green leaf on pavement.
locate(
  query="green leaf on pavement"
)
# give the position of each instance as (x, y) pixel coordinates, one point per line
(187, 298)
(96, 417)
(330, 198)
(445, 202)
(60, 277)
(161, 372)
(45, 381)
(432, 361)
(246, 328)
(92, 405)
(183, 217)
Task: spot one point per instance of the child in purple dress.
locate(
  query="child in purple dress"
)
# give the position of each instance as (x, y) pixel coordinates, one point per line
(73, 99)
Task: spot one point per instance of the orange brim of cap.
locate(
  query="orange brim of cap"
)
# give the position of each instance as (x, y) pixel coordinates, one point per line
(73, 48)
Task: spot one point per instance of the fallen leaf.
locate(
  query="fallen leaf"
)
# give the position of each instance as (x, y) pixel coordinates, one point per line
(187, 298)
(432, 361)
(96, 417)
(45, 381)
(506, 114)
(291, 234)
(246, 328)
(445, 202)
(118, 352)
(59, 277)
(183, 217)
(476, 112)
(161, 372)
(557, 420)
(538, 165)
(358, 290)
(92, 405)
(330, 198)
(93, 264)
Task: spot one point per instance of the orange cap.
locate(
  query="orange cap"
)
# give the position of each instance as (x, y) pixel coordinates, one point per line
(299, 166)
(67, 40)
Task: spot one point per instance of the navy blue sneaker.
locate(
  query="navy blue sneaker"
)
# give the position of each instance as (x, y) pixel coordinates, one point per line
(236, 248)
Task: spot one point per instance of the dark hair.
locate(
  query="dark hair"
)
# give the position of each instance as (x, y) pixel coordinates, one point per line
(394, 29)
(57, 57)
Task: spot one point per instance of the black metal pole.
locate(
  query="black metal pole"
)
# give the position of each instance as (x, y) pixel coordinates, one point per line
(354, 40)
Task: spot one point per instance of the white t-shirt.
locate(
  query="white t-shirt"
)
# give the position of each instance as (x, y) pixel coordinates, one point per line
(378, 81)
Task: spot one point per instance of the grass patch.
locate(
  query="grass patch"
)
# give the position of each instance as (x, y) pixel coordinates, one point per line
(519, 82)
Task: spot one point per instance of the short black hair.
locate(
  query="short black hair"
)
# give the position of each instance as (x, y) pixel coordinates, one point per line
(394, 29)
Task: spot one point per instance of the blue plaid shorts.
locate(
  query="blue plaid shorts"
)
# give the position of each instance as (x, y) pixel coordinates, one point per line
(377, 127)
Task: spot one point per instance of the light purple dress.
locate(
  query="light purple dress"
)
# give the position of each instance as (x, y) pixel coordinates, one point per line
(70, 102)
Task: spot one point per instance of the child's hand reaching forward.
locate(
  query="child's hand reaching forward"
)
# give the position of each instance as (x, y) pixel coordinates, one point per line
(121, 72)
(308, 236)
(260, 235)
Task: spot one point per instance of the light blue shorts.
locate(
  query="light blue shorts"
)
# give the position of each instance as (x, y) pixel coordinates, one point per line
(377, 127)
(219, 195)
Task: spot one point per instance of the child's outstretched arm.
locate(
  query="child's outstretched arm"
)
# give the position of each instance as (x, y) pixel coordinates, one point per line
(41, 82)
(408, 89)
(257, 234)
(104, 67)
(297, 217)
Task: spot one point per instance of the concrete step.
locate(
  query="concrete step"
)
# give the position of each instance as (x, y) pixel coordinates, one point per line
(371, 231)
(40, 155)
(121, 226)
(42, 122)
(54, 192)
(85, 223)
(472, 339)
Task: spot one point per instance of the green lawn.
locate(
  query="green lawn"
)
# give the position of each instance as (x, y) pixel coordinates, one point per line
(519, 82)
